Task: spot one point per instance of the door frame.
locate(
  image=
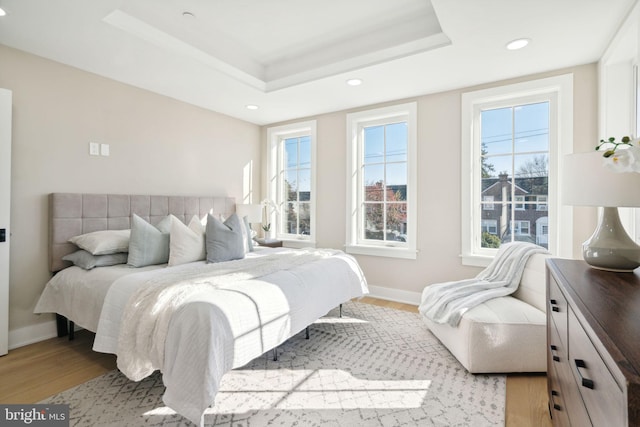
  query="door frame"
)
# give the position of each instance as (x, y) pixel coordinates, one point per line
(5, 214)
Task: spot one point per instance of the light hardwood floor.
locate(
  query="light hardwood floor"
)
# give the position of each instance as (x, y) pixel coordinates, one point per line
(37, 371)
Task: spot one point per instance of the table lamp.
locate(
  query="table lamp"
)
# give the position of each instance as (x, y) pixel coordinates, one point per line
(587, 182)
(253, 214)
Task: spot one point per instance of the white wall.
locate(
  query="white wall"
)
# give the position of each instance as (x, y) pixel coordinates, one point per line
(158, 146)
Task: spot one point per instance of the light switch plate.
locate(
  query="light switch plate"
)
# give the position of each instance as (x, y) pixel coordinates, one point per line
(104, 149)
(94, 149)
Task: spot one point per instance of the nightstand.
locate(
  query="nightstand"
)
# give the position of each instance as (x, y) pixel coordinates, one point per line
(269, 243)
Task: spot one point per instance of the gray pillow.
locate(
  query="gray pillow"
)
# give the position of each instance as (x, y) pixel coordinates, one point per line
(86, 260)
(148, 244)
(225, 242)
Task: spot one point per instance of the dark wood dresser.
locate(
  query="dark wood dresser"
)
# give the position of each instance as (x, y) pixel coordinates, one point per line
(593, 345)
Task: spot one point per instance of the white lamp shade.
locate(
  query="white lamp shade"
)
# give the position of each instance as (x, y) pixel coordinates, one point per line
(587, 182)
(252, 212)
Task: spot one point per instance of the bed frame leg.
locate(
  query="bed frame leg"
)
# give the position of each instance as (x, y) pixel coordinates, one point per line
(341, 311)
(307, 332)
(72, 330)
(61, 325)
(275, 354)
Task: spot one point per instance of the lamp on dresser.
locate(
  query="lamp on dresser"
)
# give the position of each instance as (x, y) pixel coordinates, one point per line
(587, 182)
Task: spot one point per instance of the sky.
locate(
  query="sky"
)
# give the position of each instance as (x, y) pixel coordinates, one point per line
(523, 131)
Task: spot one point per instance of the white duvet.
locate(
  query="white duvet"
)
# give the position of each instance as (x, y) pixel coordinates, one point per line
(196, 324)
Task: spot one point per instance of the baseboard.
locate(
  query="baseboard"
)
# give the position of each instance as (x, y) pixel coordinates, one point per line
(397, 295)
(32, 334)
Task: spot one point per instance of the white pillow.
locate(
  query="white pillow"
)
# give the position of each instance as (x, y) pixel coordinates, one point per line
(186, 243)
(103, 242)
(149, 244)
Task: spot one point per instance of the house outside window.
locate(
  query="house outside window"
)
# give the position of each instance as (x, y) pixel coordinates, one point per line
(513, 142)
(291, 177)
(382, 193)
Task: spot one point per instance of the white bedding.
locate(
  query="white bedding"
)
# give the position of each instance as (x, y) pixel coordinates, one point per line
(79, 294)
(214, 331)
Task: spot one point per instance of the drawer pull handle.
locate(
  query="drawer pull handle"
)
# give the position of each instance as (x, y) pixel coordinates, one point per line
(586, 382)
(554, 349)
(555, 405)
(556, 309)
(552, 301)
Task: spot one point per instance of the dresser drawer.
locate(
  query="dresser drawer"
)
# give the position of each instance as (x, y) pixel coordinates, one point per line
(557, 406)
(565, 401)
(598, 388)
(557, 308)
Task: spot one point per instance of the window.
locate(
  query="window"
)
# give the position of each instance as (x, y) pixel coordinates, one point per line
(382, 194)
(513, 141)
(490, 226)
(521, 228)
(542, 203)
(514, 159)
(488, 203)
(291, 167)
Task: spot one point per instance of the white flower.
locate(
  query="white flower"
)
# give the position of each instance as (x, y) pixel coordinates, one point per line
(624, 160)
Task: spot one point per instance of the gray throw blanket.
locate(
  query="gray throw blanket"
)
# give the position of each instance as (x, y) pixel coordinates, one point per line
(447, 302)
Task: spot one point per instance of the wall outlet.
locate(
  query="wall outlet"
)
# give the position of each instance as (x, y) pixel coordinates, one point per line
(104, 149)
(94, 149)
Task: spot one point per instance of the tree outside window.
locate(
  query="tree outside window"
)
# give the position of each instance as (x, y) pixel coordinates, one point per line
(385, 182)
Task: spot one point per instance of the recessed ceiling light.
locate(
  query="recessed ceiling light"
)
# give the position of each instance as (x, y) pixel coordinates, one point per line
(517, 44)
(252, 107)
(354, 82)
(2, 12)
(188, 14)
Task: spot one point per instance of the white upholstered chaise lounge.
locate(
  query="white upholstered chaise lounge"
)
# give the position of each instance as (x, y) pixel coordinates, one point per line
(506, 334)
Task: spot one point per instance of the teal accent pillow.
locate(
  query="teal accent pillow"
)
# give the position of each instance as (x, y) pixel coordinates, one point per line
(225, 241)
(87, 261)
(148, 244)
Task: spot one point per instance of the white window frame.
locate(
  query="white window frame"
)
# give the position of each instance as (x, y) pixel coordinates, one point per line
(275, 164)
(355, 125)
(558, 90)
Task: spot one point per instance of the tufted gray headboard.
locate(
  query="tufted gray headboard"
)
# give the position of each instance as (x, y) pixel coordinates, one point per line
(71, 214)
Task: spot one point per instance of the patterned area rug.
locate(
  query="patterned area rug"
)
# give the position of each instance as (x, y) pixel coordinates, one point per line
(374, 366)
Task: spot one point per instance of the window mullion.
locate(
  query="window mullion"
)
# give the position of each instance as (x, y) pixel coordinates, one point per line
(384, 185)
(362, 214)
(513, 174)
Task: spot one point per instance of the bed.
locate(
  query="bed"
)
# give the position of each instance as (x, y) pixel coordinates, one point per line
(193, 321)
